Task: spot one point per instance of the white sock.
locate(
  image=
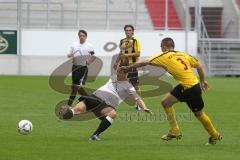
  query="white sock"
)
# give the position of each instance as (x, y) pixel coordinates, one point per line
(72, 111)
(109, 119)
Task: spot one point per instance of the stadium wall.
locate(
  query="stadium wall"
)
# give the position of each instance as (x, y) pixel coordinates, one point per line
(43, 51)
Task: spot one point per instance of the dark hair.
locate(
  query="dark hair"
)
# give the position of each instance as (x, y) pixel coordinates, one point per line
(128, 25)
(82, 31)
(168, 42)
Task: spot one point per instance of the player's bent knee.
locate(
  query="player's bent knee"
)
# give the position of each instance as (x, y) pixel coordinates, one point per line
(112, 114)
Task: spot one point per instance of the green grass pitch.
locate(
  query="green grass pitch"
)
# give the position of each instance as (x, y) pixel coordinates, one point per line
(29, 97)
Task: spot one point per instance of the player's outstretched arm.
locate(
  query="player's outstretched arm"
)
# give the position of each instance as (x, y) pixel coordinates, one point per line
(203, 82)
(138, 64)
(142, 105)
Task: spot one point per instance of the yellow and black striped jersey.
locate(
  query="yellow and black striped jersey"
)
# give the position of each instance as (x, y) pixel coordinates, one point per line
(132, 45)
(179, 65)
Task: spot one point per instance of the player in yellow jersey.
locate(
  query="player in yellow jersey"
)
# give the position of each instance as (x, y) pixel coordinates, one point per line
(179, 65)
(130, 49)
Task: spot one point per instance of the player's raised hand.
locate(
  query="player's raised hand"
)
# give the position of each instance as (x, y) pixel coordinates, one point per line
(204, 86)
(123, 68)
(126, 46)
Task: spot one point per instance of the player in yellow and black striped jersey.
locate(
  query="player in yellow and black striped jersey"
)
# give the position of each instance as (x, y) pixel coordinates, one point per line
(130, 49)
(179, 65)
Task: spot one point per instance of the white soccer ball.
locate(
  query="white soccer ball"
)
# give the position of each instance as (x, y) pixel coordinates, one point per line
(25, 127)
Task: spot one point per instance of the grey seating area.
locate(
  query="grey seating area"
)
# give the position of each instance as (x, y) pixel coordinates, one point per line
(221, 56)
(68, 14)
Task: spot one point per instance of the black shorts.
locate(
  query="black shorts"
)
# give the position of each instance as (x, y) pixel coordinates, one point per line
(192, 96)
(133, 77)
(79, 74)
(95, 105)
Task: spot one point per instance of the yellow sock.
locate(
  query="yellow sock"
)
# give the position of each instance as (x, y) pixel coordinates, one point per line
(172, 119)
(206, 122)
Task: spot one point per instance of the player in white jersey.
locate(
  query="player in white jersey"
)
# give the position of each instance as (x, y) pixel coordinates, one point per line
(104, 101)
(82, 54)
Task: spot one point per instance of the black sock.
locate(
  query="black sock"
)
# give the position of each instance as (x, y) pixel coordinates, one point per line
(70, 100)
(73, 95)
(105, 123)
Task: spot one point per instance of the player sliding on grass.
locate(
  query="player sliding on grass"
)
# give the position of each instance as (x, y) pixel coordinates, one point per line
(179, 65)
(104, 101)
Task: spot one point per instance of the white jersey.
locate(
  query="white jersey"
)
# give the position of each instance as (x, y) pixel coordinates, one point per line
(82, 52)
(115, 92)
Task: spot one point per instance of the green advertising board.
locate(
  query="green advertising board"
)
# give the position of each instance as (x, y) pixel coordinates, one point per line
(8, 42)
